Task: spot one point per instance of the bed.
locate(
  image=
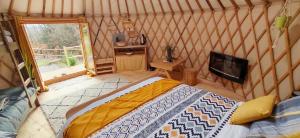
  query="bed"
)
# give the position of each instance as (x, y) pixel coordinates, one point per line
(157, 107)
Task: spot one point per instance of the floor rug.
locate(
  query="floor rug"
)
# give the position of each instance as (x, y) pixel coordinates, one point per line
(55, 110)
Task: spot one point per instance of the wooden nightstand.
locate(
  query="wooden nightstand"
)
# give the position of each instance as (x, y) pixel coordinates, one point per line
(166, 68)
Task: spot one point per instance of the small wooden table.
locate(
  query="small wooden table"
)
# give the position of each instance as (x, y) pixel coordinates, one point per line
(167, 67)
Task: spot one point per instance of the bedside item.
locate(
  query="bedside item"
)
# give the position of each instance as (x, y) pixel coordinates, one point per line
(169, 54)
(190, 76)
(143, 39)
(167, 68)
(228, 67)
(253, 110)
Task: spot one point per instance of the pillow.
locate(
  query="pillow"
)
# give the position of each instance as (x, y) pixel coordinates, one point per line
(6, 33)
(284, 122)
(252, 110)
(3, 102)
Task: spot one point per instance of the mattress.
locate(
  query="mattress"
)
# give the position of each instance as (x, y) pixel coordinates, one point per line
(182, 111)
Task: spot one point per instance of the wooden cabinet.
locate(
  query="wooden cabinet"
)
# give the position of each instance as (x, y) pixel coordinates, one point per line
(130, 58)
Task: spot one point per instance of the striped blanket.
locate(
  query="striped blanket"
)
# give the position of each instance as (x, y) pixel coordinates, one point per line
(183, 111)
(285, 121)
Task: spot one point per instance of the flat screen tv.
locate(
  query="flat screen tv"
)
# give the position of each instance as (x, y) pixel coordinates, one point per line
(229, 67)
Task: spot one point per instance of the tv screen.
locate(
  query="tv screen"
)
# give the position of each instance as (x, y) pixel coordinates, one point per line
(229, 67)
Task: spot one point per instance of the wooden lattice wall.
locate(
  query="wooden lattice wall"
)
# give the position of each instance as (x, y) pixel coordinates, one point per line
(8, 75)
(243, 32)
(237, 27)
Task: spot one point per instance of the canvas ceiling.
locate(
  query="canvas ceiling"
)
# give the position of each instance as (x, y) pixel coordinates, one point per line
(117, 7)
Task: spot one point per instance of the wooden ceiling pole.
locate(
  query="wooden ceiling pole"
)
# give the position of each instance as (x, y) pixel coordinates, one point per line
(28, 7)
(249, 3)
(143, 3)
(236, 7)
(209, 5)
(53, 8)
(44, 8)
(136, 9)
(62, 8)
(199, 5)
(154, 12)
(84, 7)
(11, 7)
(110, 10)
(101, 6)
(119, 9)
(190, 7)
(127, 9)
(169, 4)
(72, 8)
(221, 4)
(180, 8)
(161, 7)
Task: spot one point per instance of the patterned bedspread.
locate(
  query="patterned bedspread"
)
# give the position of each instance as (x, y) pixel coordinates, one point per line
(183, 112)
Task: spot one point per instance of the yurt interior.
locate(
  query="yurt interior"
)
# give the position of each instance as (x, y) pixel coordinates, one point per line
(150, 68)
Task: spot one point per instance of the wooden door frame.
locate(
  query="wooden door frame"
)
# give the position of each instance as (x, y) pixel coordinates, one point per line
(38, 20)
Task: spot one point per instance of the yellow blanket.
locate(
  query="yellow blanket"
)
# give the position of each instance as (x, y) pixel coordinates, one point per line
(99, 117)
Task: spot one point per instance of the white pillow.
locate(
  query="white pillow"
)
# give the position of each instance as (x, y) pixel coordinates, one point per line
(3, 103)
(6, 33)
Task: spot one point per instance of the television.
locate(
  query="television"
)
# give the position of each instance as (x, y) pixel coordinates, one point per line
(229, 67)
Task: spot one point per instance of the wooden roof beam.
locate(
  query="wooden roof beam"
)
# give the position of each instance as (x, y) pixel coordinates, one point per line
(144, 7)
(180, 8)
(199, 5)
(44, 8)
(136, 9)
(28, 7)
(221, 4)
(72, 8)
(126, 3)
(62, 8)
(11, 6)
(119, 9)
(53, 8)
(102, 10)
(84, 6)
(109, 6)
(152, 6)
(161, 7)
(169, 4)
(190, 7)
(209, 5)
(249, 3)
(236, 6)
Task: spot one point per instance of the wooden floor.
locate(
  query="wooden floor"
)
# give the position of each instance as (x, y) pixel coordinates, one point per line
(37, 126)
